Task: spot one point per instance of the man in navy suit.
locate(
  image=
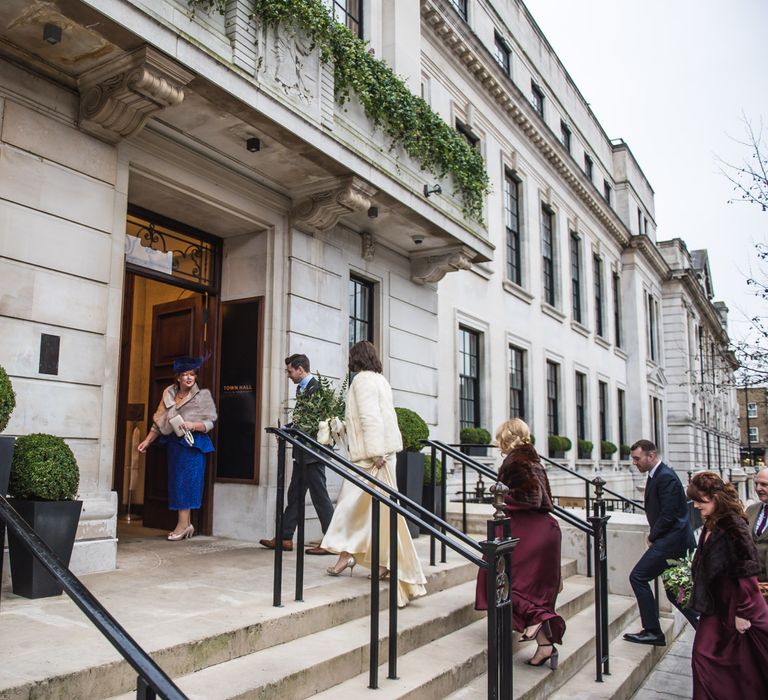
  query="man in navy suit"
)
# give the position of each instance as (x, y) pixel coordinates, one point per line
(670, 537)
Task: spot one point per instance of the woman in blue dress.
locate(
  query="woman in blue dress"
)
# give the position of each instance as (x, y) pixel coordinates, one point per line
(182, 421)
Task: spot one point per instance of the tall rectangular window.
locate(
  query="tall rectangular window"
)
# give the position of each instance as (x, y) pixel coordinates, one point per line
(639, 221)
(461, 7)
(576, 277)
(656, 417)
(548, 254)
(360, 310)
(349, 13)
(516, 382)
(589, 166)
(565, 135)
(469, 136)
(581, 406)
(607, 193)
(501, 52)
(537, 98)
(752, 410)
(598, 272)
(553, 398)
(621, 410)
(754, 434)
(617, 309)
(512, 219)
(469, 378)
(602, 398)
(652, 327)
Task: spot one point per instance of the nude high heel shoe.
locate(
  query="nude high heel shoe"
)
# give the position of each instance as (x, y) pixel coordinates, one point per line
(349, 564)
(183, 535)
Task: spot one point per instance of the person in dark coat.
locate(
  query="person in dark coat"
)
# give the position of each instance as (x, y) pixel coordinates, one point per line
(536, 558)
(670, 537)
(312, 472)
(730, 650)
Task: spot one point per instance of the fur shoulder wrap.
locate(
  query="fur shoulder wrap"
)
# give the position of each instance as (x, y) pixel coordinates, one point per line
(526, 478)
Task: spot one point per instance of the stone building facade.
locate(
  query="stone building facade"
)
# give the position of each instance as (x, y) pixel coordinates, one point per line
(185, 182)
(753, 409)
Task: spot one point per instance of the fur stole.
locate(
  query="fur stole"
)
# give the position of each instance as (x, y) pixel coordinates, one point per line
(524, 474)
(197, 407)
(729, 551)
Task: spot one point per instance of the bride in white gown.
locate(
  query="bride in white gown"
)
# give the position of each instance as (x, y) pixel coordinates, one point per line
(373, 440)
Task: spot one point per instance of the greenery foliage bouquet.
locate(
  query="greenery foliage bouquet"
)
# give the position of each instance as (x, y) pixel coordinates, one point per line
(314, 413)
(678, 578)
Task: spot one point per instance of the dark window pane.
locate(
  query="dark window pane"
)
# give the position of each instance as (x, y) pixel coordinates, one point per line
(548, 256)
(360, 310)
(512, 218)
(469, 378)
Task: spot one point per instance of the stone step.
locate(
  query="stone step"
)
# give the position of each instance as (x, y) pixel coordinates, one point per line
(445, 668)
(307, 665)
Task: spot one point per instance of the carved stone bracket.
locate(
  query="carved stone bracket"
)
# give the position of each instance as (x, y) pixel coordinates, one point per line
(321, 208)
(117, 98)
(432, 266)
(368, 249)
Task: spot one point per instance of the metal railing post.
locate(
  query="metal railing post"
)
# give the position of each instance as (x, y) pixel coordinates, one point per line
(302, 503)
(599, 520)
(443, 505)
(463, 498)
(433, 457)
(393, 565)
(277, 590)
(373, 652)
(588, 538)
(143, 690)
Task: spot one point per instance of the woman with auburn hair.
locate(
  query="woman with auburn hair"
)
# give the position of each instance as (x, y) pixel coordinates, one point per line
(536, 558)
(373, 439)
(730, 650)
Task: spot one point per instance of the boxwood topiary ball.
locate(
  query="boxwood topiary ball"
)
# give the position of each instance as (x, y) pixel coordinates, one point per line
(7, 399)
(412, 428)
(43, 469)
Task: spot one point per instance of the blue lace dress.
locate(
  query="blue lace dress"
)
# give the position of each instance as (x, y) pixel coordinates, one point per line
(186, 470)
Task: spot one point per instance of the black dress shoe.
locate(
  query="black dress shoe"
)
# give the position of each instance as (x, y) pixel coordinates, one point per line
(645, 637)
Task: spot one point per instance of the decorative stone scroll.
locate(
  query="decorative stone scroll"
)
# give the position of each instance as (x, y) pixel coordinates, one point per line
(431, 266)
(118, 98)
(321, 208)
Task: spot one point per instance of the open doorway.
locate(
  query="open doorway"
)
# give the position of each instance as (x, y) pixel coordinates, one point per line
(165, 315)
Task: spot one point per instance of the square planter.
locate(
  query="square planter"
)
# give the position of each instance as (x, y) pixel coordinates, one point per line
(55, 522)
(410, 478)
(474, 450)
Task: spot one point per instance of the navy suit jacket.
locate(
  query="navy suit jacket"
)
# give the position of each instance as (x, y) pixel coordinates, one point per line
(666, 508)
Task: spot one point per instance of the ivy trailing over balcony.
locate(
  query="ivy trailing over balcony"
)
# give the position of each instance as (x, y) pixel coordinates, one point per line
(405, 118)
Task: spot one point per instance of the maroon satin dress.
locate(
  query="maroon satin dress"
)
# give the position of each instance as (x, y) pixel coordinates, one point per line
(535, 570)
(728, 665)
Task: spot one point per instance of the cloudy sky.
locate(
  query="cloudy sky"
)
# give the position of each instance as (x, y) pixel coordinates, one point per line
(673, 79)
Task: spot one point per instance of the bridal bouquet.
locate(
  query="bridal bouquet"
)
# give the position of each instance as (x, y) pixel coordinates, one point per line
(678, 579)
(320, 414)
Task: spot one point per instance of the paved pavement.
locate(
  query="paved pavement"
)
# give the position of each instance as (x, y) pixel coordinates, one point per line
(671, 679)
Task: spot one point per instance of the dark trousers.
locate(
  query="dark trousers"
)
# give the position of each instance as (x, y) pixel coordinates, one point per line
(314, 480)
(651, 564)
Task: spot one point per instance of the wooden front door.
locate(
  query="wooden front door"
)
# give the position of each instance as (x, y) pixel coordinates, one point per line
(177, 329)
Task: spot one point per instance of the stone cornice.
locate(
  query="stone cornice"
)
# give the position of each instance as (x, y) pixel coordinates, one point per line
(645, 245)
(689, 279)
(431, 266)
(118, 98)
(512, 101)
(320, 207)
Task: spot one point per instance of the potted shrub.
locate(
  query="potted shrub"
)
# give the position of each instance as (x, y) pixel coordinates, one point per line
(585, 449)
(473, 440)
(43, 487)
(7, 404)
(558, 446)
(410, 462)
(431, 499)
(624, 451)
(607, 448)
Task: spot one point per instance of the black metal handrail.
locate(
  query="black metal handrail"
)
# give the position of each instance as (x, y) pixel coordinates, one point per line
(496, 555)
(152, 681)
(594, 529)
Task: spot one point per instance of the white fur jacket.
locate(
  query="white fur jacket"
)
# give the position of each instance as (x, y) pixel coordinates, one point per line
(198, 406)
(371, 421)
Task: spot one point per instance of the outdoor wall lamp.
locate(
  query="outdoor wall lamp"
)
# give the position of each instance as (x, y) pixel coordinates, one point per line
(253, 145)
(435, 189)
(52, 34)
(373, 212)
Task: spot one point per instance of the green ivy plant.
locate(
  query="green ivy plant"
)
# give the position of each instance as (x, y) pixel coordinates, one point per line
(405, 118)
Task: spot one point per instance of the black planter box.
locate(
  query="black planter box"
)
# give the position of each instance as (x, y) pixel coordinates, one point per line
(474, 451)
(7, 444)
(428, 497)
(55, 522)
(410, 478)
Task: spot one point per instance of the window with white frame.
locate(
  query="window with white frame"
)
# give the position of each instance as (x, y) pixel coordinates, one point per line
(360, 310)
(617, 334)
(517, 383)
(581, 406)
(652, 326)
(622, 416)
(589, 166)
(565, 135)
(501, 52)
(553, 398)
(548, 254)
(349, 13)
(537, 98)
(576, 275)
(754, 434)
(469, 378)
(461, 7)
(597, 271)
(751, 410)
(513, 219)
(608, 193)
(602, 400)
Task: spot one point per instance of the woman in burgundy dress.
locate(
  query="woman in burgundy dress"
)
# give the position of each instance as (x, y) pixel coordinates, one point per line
(536, 558)
(730, 650)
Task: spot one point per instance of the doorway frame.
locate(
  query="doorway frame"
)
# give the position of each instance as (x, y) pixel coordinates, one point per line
(210, 373)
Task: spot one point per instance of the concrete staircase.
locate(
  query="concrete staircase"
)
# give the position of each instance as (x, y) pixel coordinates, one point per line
(219, 641)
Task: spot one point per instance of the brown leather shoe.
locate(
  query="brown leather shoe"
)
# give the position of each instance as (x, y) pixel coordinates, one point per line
(270, 544)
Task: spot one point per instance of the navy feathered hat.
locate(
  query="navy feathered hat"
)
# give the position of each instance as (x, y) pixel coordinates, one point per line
(187, 363)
